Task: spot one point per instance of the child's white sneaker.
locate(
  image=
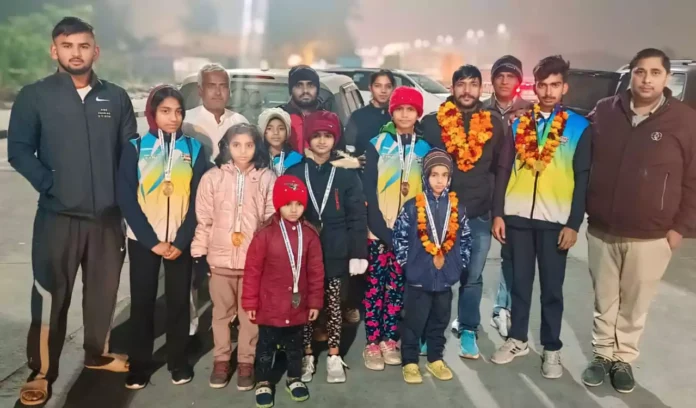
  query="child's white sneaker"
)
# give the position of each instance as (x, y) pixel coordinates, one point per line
(307, 368)
(334, 370)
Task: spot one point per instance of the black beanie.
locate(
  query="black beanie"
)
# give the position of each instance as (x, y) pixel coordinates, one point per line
(507, 63)
(302, 73)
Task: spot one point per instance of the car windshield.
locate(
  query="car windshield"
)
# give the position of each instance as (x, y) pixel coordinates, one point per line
(675, 83)
(428, 84)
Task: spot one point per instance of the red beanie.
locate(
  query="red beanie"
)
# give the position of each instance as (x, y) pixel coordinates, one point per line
(322, 121)
(288, 189)
(405, 95)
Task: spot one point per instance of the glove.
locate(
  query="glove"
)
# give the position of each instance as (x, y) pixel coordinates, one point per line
(357, 266)
(201, 267)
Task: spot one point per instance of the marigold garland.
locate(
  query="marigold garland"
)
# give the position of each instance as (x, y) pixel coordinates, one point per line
(527, 144)
(466, 148)
(452, 223)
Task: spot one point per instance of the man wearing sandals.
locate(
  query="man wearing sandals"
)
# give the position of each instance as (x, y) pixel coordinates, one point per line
(65, 138)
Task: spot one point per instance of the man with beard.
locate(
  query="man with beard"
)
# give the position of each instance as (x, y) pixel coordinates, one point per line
(303, 83)
(65, 137)
(365, 123)
(475, 148)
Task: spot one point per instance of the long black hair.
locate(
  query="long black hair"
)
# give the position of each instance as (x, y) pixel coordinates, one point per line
(260, 159)
(157, 96)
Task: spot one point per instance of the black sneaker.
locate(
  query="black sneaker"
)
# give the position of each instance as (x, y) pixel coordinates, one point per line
(594, 374)
(298, 390)
(264, 395)
(182, 375)
(137, 381)
(622, 377)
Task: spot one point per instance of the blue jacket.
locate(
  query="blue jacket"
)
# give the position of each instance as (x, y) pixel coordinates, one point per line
(417, 264)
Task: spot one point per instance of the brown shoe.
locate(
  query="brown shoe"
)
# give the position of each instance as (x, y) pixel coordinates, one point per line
(220, 376)
(245, 377)
(352, 316)
(320, 334)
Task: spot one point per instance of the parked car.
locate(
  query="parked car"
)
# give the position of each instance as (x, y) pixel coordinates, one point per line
(434, 93)
(587, 87)
(254, 90)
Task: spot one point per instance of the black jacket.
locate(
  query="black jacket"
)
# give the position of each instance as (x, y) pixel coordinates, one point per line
(363, 125)
(70, 150)
(474, 187)
(344, 233)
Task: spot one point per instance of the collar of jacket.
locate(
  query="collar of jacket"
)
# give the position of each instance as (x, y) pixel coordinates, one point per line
(626, 96)
(179, 133)
(231, 168)
(381, 110)
(429, 191)
(94, 80)
(321, 168)
(390, 128)
(275, 219)
(293, 109)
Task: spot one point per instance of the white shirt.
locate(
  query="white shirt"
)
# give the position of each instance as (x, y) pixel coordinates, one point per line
(83, 92)
(201, 124)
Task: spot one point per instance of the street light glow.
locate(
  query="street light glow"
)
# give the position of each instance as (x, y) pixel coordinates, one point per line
(470, 34)
(294, 59)
(502, 29)
(449, 40)
(480, 34)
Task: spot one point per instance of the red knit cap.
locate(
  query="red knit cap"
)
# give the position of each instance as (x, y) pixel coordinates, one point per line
(404, 95)
(288, 189)
(322, 121)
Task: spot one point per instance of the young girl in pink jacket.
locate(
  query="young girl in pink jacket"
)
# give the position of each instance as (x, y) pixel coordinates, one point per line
(233, 201)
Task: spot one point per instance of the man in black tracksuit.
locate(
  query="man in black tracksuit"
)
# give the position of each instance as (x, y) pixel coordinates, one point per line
(65, 138)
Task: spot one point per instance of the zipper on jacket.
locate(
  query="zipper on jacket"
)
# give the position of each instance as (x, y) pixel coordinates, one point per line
(534, 196)
(664, 190)
(89, 147)
(166, 234)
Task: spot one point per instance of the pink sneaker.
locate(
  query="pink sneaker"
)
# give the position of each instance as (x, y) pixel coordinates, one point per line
(373, 357)
(390, 352)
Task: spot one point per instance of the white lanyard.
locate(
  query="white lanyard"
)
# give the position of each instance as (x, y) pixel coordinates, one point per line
(295, 266)
(406, 162)
(240, 199)
(326, 192)
(438, 240)
(280, 167)
(168, 158)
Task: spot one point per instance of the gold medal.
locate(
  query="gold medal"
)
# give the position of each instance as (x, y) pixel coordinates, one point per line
(439, 260)
(167, 188)
(539, 167)
(405, 187)
(237, 239)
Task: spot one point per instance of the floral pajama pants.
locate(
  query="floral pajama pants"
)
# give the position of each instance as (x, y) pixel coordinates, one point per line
(384, 296)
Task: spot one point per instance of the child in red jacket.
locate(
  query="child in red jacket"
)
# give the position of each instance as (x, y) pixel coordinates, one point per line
(283, 287)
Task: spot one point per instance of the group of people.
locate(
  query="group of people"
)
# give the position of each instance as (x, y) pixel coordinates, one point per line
(296, 235)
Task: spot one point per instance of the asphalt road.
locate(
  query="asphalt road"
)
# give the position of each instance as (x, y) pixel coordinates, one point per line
(665, 370)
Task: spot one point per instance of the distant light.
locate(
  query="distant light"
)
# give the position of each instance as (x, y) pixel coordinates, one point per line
(480, 34)
(294, 59)
(418, 43)
(502, 29)
(470, 34)
(449, 40)
(440, 39)
(426, 44)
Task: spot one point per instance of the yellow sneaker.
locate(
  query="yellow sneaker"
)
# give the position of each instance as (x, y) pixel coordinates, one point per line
(412, 374)
(439, 370)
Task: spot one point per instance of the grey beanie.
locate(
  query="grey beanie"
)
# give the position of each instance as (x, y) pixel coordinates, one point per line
(274, 113)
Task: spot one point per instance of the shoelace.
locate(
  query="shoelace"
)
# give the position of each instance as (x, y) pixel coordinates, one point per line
(308, 363)
(337, 362)
(554, 358)
(390, 345)
(373, 350)
(622, 367)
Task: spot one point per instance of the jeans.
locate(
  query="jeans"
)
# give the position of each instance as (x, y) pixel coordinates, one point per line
(471, 286)
(502, 298)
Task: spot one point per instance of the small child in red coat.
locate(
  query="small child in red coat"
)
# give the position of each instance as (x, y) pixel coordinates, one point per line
(283, 288)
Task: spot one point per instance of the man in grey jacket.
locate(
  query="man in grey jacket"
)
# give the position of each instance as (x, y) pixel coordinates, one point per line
(65, 137)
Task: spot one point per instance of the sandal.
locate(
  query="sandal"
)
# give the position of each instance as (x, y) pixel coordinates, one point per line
(118, 364)
(34, 392)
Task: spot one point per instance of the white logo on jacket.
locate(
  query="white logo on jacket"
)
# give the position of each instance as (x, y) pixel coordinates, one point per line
(656, 136)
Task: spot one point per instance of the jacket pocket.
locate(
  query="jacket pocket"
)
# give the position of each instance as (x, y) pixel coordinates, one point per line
(664, 191)
(655, 207)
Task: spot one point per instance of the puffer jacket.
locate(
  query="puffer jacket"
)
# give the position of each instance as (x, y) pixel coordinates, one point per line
(268, 275)
(216, 211)
(418, 265)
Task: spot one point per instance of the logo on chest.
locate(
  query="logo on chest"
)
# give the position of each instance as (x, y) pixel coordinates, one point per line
(656, 136)
(104, 113)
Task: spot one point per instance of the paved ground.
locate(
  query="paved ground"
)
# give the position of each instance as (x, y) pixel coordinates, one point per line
(664, 372)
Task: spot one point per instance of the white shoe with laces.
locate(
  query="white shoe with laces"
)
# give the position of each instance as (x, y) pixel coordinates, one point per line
(307, 368)
(509, 350)
(335, 372)
(502, 322)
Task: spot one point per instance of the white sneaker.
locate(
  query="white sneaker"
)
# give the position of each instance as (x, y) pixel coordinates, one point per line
(551, 367)
(455, 326)
(509, 350)
(502, 322)
(334, 370)
(307, 368)
(193, 327)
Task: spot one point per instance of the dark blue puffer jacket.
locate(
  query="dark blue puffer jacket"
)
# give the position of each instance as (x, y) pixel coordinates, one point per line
(417, 264)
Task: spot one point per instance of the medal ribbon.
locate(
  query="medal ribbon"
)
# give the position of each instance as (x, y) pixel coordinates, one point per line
(280, 167)
(406, 162)
(168, 156)
(326, 192)
(240, 200)
(295, 266)
(437, 240)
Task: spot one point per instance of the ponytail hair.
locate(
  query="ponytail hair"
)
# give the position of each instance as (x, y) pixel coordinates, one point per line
(260, 159)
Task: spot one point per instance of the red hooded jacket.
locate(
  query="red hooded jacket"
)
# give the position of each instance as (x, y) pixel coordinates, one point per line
(268, 276)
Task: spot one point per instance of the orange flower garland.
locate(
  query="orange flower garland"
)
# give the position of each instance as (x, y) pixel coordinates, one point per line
(527, 144)
(467, 149)
(452, 230)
